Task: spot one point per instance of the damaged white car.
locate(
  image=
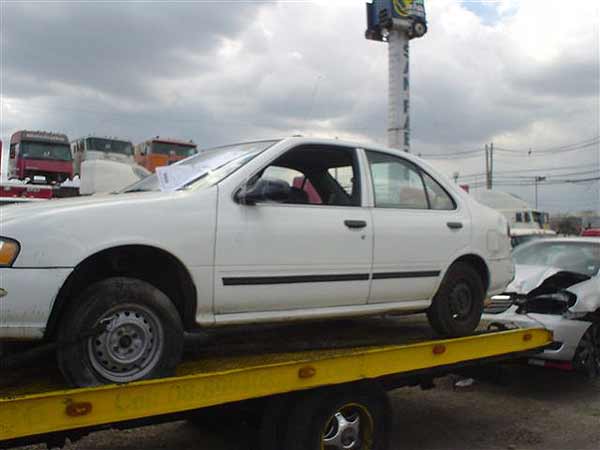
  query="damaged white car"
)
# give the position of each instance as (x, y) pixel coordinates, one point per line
(557, 286)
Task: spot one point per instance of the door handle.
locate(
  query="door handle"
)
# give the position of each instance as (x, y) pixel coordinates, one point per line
(455, 225)
(355, 223)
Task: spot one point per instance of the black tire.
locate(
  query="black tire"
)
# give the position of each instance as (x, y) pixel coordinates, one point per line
(313, 419)
(145, 339)
(587, 355)
(457, 306)
(274, 422)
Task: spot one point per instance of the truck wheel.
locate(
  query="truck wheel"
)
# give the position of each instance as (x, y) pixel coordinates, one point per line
(143, 335)
(350, 418)
(457, 306)
(587, 354)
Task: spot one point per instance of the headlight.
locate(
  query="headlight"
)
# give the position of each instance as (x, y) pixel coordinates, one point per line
(9, 249)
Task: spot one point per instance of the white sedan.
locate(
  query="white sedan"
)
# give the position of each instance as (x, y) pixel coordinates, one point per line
(269, 231)
(557, 286)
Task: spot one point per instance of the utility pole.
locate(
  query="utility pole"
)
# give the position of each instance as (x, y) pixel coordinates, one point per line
(397, 22)
(491, 165)
(537, 180)
(487, 167)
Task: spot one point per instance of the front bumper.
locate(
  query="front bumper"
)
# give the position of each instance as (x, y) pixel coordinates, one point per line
(567, 332)
(27, 302)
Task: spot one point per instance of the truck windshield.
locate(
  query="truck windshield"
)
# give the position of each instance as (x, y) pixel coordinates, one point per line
(109, 146)
(164, 148)
(43, 150)
(210, 166)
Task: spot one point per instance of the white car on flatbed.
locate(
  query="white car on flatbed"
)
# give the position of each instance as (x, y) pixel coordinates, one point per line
(269, 231)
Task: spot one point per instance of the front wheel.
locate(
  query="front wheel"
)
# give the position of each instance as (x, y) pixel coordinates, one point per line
(457, 306)
(140, 337)
(587, 354)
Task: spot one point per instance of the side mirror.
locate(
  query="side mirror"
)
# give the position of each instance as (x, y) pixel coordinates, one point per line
(264, 190)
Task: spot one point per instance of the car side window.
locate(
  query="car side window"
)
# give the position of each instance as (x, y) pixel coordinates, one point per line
(317, 175)
(439, 199)
(397, 183)
(301, 189)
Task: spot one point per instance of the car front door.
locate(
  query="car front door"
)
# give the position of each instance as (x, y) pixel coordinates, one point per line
(312, 249)
(419, 227)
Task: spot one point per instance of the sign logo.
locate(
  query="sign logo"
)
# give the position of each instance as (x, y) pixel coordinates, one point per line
(402, 7)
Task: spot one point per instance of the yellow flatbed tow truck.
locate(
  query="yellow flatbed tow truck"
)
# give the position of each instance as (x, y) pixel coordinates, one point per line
(329, 398)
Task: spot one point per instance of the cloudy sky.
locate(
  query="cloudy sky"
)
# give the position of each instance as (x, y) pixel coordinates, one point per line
(524, 74)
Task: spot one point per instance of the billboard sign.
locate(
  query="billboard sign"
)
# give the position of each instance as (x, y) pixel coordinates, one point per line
(381, 14)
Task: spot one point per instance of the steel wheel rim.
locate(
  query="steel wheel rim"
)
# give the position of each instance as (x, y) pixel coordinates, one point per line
(349, 428)
(131, 345)
(461, 301)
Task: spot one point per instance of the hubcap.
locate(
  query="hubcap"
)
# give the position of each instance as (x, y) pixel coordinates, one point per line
(350, 428)
(130, 346)
(461, 301)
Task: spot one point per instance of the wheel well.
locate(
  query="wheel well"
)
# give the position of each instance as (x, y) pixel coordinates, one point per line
(150, 264)
(480, 266)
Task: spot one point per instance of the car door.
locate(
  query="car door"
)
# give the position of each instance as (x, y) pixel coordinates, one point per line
(314, 250)
(419, 228)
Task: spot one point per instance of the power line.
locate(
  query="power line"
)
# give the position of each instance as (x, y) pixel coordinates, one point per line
(514, 153)
(556, 149)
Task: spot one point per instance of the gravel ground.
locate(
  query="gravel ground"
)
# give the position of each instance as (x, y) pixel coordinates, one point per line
(540, 409)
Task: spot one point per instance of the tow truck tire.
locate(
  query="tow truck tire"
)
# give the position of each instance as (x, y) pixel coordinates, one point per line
(457, 306)
(352, 417)
(143, 336)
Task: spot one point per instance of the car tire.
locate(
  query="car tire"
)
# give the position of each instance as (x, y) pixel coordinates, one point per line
(587, 355)
(457, 306)
(142, 336)
(345, 417)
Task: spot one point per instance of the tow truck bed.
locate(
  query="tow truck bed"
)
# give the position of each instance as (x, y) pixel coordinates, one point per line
(36, 407)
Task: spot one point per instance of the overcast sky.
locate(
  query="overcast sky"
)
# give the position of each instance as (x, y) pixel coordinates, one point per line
(522, 74)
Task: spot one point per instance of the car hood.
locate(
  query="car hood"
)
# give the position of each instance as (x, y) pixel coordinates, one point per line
(36, 211)
(528, 277)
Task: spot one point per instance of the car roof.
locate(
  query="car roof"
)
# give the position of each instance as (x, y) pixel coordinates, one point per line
(300, 140)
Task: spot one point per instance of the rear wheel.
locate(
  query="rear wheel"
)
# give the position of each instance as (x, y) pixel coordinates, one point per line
(587, 354)
(140, 337)
(457, 307)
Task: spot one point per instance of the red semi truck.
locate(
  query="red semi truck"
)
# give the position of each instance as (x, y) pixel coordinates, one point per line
(40, 154)
(19, 193)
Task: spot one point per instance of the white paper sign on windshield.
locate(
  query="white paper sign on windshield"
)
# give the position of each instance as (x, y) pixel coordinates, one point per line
(171, 178)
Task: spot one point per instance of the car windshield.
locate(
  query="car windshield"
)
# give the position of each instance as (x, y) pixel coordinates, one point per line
(209, 166)
(580, 257)
(44, 150)
(165, 148)
(109, 146)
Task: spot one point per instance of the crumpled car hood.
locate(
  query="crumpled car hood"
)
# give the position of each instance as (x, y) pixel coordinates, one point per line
(528, 278)
(535, 281)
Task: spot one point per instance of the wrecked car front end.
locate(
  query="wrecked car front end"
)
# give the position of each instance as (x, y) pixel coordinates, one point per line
(559, 300)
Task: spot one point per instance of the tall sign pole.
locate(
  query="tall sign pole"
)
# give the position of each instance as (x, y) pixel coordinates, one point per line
(397, 22)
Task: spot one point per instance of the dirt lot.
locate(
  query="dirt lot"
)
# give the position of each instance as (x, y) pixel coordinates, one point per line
(539, 409)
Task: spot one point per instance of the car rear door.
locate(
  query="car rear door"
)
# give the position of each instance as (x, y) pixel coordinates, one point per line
(418, 227)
